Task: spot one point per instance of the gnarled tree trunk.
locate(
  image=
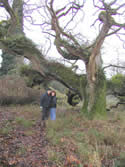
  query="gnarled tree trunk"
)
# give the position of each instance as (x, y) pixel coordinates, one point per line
(95, 97)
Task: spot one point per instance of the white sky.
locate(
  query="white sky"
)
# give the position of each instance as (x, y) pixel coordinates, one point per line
(112, 48)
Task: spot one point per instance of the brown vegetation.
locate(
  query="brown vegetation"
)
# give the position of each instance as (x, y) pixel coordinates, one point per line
(13, 90)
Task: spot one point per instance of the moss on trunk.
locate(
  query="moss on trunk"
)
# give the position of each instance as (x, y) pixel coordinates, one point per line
(99, 106)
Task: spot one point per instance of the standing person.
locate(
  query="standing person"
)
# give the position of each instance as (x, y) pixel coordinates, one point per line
(53, 106)
(45, 105)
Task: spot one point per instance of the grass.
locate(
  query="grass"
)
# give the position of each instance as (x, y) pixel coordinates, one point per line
(22, 150)
(31, 112)
(74, 139)
(25, 123)
(5, 130)
(23, 116)
(92, 142)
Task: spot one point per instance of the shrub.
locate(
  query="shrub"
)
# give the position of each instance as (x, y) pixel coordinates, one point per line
(117, 84)
(14, 91)
(118, 80)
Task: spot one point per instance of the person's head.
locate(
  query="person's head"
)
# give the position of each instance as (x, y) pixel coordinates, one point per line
(49, 91)
(53, 93)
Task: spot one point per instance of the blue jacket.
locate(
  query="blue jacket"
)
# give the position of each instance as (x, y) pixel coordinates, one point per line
(45, 100)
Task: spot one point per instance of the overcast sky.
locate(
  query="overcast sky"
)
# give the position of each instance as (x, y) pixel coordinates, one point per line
(112, 48)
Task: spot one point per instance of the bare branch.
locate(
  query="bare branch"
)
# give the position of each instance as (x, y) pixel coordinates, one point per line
(60, 10)
(101, 8)
(94, 22)
(46, 32)
(74, 6)
(114, 32)
(70, 20)
(119, 25)
(112, 3)
(122, 5)
(111, 65)
(121, 40)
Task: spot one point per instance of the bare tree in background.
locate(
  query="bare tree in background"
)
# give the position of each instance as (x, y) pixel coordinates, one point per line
(57, 23)
(69, 46)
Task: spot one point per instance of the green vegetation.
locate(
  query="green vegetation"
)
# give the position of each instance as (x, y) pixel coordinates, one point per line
(8, 63)
(25, 123)
(4, 25)
(118, 79)
(66, 73)
(117, 82)
(92, 142)
(72, 138)
(99, 107)
(21, 150)
(30, 76)
(5, 130)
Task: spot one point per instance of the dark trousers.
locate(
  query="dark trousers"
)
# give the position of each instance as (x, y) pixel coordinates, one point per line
(45, 113)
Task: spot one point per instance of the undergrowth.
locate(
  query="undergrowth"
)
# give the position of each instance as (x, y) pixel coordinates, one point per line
(97, 143)
(73, 140)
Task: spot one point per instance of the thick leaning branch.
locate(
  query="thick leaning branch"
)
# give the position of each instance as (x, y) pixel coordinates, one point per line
(38, 78)
(5, 4)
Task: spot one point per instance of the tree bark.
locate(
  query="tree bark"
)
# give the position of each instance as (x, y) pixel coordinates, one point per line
(95, 96)
(16, 21)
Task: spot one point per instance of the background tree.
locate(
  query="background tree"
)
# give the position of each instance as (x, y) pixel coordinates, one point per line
(69, 47)
(13, 41)
(10, 28)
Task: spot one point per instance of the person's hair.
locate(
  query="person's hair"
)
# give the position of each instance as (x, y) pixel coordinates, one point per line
(48, 89)
(53, 92)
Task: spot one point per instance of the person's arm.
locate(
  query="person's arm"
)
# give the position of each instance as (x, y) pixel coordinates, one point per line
(55, 100)
(41, 100)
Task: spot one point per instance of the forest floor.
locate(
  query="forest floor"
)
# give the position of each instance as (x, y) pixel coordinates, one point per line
(70, 141)
(22, 140)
